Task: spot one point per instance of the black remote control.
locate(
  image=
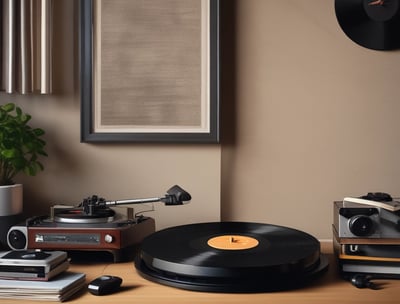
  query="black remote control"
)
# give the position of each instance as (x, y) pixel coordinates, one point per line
(105, 284)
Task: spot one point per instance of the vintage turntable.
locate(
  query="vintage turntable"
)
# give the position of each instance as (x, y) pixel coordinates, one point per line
(94, 225)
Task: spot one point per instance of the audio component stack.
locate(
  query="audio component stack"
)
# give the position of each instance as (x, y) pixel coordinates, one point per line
(366, 235)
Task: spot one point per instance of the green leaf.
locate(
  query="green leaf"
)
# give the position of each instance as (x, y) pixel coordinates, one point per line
(18, 111)
(9, 153)
(38, 132)
(8, 107)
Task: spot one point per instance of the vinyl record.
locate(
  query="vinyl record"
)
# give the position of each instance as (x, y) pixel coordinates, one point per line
(230, 257)
(373, 24)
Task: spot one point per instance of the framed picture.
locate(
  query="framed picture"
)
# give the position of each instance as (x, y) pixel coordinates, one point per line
(149, 71)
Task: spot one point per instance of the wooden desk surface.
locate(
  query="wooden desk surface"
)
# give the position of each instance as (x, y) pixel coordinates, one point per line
(330, 288)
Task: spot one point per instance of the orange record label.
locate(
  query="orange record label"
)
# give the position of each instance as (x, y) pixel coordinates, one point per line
(232, 242)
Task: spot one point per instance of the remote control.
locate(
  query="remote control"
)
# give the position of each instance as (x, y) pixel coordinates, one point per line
(105, 284)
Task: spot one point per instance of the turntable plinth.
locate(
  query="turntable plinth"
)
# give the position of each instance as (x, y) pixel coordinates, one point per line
(120, 241)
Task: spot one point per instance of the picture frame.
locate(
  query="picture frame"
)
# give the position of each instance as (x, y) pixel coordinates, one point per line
(160, 81)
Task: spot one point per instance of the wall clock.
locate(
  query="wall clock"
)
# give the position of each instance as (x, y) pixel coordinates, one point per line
(374, 24)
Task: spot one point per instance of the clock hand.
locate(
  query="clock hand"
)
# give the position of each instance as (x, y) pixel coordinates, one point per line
(377, 2)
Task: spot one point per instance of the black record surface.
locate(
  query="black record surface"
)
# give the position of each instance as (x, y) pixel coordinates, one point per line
(373, 26)
(181, 257)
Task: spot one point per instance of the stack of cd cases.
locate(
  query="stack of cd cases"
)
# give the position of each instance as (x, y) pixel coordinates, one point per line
(32, 265)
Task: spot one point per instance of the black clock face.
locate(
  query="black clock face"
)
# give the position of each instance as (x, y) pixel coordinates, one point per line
(374, 24)
(381, 10)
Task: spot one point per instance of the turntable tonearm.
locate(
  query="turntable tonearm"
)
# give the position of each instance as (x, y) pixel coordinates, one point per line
(96, 210)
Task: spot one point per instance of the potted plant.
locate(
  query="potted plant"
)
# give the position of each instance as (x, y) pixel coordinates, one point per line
(21, 146)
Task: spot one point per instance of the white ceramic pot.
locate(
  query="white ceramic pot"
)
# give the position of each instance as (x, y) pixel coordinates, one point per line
(11, 207)
(11, 200)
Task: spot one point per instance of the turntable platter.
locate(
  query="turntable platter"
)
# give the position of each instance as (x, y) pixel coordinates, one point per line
(78, 216)
(230, 257)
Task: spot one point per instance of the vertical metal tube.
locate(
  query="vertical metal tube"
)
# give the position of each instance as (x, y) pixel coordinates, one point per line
(25, 82)
(1, 46)
(45, 47)
(9, 46)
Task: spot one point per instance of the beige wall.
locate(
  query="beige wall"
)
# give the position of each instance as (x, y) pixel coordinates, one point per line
(316, 116)
(308, 117)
